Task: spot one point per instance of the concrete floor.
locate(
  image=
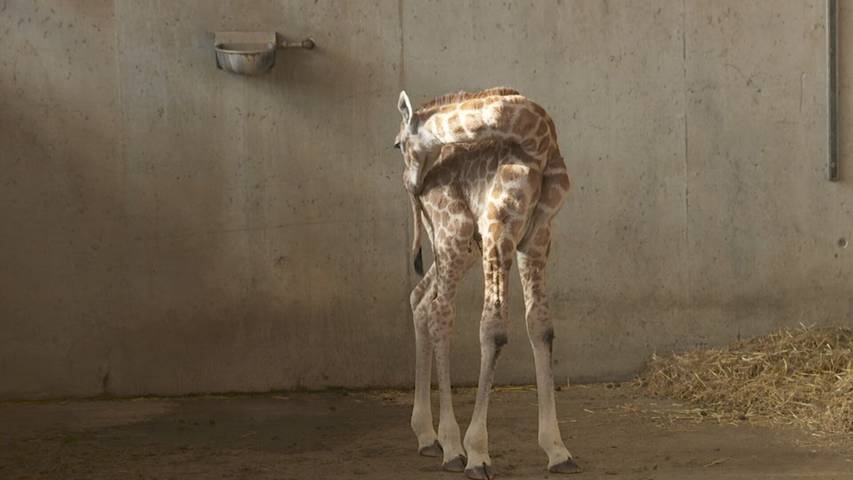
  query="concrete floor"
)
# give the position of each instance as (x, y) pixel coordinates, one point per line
(614, 433)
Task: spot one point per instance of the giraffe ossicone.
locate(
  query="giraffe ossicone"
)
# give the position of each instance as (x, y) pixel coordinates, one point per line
(485, 179)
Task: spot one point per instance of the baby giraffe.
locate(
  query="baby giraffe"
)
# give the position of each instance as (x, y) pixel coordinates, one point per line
(488, 191)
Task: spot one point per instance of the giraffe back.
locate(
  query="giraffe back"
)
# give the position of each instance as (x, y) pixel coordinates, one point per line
(492, 115)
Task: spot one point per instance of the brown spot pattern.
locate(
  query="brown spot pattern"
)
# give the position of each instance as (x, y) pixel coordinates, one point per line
(492, 212)
(515, 227)
(551, 197)
(438, 128)
(506, 247)
(511, 173)
(473, 123)
(518, 196)
(541, 237)
(563, 181)
(524, 122)
(529, 145)
(454, 125)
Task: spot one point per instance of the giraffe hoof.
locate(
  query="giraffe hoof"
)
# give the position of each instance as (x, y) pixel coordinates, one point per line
(455, 465)
(433, 450)
(568, 466)
(483, 472)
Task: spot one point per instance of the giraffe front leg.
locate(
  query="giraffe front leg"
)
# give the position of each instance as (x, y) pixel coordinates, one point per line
(453, 258)
(493, 330)
(541, 332)
(422, 425)
(448, 430)
(422, 409)
(441, 319)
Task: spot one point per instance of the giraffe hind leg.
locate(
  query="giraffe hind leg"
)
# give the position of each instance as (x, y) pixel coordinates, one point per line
(422, 421)
(533, 251)
(497, 261)
(532, 259)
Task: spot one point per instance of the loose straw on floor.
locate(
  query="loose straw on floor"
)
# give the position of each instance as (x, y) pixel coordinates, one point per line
(801, 376)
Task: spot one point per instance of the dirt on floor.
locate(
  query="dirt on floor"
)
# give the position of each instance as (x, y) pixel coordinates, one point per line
(613, 431)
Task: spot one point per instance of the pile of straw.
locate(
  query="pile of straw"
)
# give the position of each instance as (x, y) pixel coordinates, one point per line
(800, 376)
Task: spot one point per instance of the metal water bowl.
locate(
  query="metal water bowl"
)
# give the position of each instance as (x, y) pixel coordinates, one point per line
(251, 53)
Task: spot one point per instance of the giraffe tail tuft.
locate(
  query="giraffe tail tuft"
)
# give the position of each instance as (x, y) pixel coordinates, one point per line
(419, 263)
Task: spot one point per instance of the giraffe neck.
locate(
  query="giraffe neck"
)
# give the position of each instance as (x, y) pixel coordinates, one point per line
(458, 124)
(430, 142)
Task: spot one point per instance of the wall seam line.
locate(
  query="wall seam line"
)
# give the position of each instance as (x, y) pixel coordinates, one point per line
(686, 145)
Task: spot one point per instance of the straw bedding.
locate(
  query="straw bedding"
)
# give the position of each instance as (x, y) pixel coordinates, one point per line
(801, 376)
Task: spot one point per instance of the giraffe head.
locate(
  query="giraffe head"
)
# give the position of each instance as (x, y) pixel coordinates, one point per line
(419, 146)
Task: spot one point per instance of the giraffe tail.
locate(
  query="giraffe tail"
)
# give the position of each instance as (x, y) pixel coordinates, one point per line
(416, 238)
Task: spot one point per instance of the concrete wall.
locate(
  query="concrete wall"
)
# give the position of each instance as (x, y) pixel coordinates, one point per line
(169, 228)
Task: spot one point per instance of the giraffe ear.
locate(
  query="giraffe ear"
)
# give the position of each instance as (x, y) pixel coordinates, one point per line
(404, 105)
